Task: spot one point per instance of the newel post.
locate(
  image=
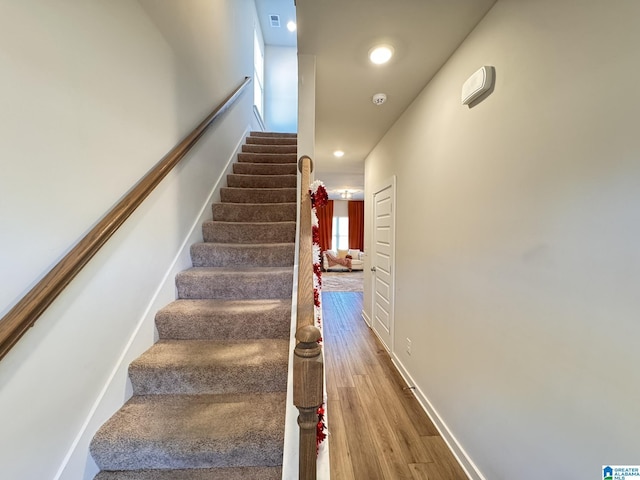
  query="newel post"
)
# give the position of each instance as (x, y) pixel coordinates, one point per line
(308, 395)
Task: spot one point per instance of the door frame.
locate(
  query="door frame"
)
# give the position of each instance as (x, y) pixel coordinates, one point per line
(383, 185)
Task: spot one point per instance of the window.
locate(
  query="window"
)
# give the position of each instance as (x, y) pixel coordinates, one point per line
(258, 75)
(340, 240)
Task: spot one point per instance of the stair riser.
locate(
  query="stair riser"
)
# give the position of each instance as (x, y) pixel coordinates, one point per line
(279, 149)
(234, 212)
(262, 181)
(268, 158)
(258, 195)
(265, 168)
(242, 473)
(222, 380)
(271, 141)
(273, 134)
(136, 456)
(249, 233)
(240, 323)
(216, 255)
(168, 381)
(234, 285)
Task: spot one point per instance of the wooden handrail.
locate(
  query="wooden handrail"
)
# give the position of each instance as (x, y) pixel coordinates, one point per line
(308, 368)
(29, 308)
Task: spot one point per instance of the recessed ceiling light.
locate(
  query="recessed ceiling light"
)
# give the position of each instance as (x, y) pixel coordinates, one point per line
(291, 26)
(338, 153)
(381, 54)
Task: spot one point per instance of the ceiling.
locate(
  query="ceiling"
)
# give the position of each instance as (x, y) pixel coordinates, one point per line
(286, 10)
(423, 33)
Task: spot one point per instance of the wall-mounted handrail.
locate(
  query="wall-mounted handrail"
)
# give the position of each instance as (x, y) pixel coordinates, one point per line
(308, 368)
(29, 308)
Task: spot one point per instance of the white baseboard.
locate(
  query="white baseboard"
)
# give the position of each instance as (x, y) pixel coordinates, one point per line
(366, 318)
(139, 341)
(258, 119)
(463, 459)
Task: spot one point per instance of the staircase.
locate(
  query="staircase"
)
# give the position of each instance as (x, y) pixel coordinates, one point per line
(209, 397)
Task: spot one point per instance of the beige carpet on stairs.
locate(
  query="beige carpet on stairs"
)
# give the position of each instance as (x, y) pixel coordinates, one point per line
(209, 397)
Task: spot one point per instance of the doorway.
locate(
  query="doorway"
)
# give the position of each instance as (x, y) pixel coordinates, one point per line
(383, 262)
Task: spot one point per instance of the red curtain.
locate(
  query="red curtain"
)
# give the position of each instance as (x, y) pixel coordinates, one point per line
(356, 224)
(325, 225)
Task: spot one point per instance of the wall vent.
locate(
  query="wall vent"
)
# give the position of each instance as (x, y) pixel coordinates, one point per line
(274, 20)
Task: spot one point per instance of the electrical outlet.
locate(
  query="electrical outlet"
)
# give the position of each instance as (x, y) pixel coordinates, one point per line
(408, 346)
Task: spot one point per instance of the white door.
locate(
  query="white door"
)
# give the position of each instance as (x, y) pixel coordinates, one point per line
(382, 267)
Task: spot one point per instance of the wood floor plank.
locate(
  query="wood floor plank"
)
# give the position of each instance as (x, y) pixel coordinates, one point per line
(401, 406)
(414, 410)
(419, 471)
(407, 431)
(332, 382)
(436, 471)
(444, 463)
(420, 420)
(364, 461)
(388, 447)
(377, 428)
(340, 453)
(336, 345)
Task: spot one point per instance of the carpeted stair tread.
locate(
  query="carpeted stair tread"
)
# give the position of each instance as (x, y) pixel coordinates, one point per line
(240, 473)
(249, 232)
(235, 283)
(258, 195)
(254, 212)
(256, 140)
(261, 181)
(273, 134)
(193, 431)
(248, 255)
(265, 168)
(268, 157)
(224, 319)
(277, 148)
(211, 367)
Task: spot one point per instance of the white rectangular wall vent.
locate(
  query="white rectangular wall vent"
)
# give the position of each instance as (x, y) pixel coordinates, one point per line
(477, 84)
(274, 20)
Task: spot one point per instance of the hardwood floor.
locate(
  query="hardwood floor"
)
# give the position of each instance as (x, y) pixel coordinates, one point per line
(377, 428)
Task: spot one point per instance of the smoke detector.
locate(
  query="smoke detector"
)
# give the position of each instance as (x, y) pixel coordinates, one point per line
(379, 98)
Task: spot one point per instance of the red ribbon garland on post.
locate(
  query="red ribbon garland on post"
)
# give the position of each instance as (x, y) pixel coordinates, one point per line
(319, 198)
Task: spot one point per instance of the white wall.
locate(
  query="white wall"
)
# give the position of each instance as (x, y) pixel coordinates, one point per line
(281, 88)
(259, 116)
(94, 93)
(307, 106)
(517, 255)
